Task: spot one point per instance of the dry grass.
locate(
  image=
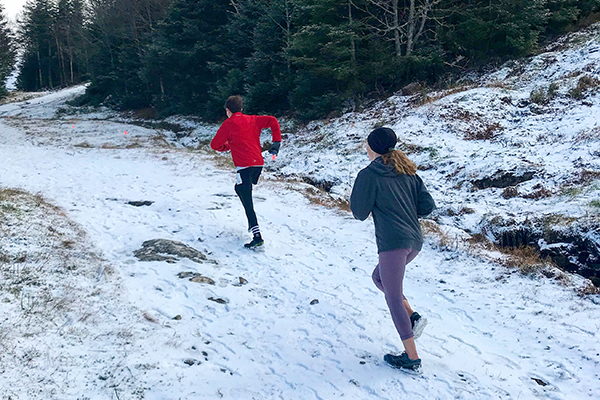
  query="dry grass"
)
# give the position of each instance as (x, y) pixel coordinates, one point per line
(588, 136)
(446, 242)
(17, 96)
(223, 161)
(584, 84)
(526, 259)
(149, 317)
(134, 145)
(499, 85)
(424, 98)
(322, 198)
(539, 193)
(84, 145)
(587, 176)
(510, 192)
(588, 289)
(485, 132)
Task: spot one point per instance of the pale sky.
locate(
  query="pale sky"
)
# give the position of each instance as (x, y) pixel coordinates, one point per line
(12, 7)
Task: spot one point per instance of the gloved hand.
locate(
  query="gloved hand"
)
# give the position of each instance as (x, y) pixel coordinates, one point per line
(274, 149)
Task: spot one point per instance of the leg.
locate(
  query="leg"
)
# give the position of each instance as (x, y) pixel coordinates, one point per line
(244, 192)
(407, 306)
(377, 279)
(392, 265)
(411, 256)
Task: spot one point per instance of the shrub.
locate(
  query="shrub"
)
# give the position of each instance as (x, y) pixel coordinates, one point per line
(539, 96)
(585, 83)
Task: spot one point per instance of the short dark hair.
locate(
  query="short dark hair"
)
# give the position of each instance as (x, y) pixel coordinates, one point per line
(234, 104)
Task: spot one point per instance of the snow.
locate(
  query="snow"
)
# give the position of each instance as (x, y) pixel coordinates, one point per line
(492, 332)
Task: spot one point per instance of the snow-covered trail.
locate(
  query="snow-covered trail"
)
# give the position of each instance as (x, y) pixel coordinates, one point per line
(491, 333)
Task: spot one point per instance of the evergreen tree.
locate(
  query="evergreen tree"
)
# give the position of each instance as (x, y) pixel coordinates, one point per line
(39, 67)
(120, 33)
(324, 52)
(565, 13)
(189, 56)
(8, 50)
(267, 72)
(70, 41)
(482, 30)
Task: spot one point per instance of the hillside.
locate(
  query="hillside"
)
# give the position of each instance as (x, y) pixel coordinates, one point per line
(142, 290)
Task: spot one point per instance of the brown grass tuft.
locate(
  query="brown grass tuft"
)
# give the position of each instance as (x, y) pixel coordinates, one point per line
(149, 317)
(486, 132)
(526, 259)
(588, 289)
(322, 198)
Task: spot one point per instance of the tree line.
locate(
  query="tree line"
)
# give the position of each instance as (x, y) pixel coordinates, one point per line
(8, 50)
(305, 58)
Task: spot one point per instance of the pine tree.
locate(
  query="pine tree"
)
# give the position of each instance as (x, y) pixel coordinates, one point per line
(564, 13)
(120, 33)
(483, 30)
(324, 52)
(189, 56)
(267, 71)
(7, 50)
(38, 69)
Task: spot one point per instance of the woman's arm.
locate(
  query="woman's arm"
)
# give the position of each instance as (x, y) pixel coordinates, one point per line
(363, 195)
(425, 203)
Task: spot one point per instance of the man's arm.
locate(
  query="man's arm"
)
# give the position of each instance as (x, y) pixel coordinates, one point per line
(267, 121)
(221, 140)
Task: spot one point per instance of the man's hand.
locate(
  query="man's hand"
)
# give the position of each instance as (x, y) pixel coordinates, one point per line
(274, 149)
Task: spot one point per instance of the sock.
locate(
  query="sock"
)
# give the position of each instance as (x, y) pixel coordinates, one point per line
(256, 232)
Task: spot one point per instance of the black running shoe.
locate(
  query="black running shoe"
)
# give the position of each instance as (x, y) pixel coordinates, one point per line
(418, 324)
(403, 362)
(256, 242)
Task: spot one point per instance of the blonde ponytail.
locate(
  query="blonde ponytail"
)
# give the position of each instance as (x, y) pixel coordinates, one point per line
(402, 164)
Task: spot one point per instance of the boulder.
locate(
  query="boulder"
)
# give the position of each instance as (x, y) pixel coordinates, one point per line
(167, 250)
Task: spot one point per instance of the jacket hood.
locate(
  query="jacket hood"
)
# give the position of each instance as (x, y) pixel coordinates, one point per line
(382, 169)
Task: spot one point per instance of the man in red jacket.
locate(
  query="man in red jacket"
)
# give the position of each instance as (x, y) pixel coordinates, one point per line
(241, 134)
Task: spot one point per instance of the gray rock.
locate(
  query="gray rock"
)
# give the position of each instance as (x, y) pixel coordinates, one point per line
(202, 279)
(140, 203)
(167, 250)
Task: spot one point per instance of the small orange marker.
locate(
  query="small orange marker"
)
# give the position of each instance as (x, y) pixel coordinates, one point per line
(73, 126)
(126, 132)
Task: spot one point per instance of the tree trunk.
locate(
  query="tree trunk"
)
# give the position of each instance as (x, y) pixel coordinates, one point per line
(352, 39)
(50, 66)
(396, 28)
(162, 88)
(61, 63)
(410, 36)
(40, 69)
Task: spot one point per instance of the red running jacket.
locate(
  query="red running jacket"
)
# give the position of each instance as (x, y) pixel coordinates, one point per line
(241, 134)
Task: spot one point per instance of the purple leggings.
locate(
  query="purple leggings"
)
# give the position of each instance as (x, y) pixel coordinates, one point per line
(388, 277)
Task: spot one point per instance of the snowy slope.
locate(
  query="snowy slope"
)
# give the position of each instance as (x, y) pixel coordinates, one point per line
(492, 334)
(554, 141)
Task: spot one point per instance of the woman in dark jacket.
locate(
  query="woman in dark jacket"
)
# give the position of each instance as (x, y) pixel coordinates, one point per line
(390, 189)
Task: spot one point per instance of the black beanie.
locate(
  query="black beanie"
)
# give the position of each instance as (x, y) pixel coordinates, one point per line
(382, 140)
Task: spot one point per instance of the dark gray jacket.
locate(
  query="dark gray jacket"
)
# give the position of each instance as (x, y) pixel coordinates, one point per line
(396, 202)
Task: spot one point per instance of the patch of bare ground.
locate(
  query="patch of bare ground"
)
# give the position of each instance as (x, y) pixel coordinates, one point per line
(426, 98)
(54, 289)
(525, 259)
(476, 126)
(17, 97)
